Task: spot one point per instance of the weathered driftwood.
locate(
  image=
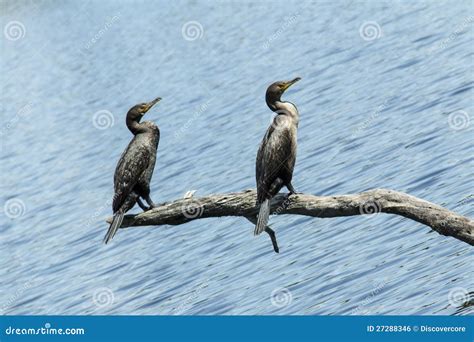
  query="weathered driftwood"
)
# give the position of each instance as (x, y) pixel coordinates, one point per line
(242, 204)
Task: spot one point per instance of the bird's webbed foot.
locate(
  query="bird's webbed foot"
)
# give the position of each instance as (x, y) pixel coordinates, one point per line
(150, 202)
(291, 190)
(153, 206)
(142, 205)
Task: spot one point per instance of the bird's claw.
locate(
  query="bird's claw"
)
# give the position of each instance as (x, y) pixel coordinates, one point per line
(296, 193)
(150, 207)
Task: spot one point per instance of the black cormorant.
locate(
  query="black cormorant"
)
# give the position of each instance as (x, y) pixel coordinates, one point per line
(135, 167)
(277, 152)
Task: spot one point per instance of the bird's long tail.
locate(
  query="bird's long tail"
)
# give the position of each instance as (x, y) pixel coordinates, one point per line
(116, 223)
(263, 215)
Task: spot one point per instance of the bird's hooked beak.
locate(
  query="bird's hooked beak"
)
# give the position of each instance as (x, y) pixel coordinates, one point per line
(290, 83)
(151, 104)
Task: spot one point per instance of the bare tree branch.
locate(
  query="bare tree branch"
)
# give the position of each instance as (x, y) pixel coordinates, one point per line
(374, 201)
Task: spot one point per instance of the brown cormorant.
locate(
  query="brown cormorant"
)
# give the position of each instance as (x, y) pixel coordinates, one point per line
(135, 167)
(277, 153)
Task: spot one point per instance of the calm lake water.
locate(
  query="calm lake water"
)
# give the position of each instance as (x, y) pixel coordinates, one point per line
(385, 101)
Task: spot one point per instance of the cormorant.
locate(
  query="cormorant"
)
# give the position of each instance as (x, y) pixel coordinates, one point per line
(277, 152)
(135, 167)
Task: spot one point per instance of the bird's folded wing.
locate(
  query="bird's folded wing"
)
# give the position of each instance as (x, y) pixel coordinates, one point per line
(127, 174)
(272, 157)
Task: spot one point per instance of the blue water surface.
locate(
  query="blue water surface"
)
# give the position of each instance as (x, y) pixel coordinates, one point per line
(385, 100)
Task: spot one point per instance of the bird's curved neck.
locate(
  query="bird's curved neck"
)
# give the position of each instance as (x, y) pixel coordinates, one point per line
(272, 101)
(136, 127)
(285, 108)
(275, 103)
